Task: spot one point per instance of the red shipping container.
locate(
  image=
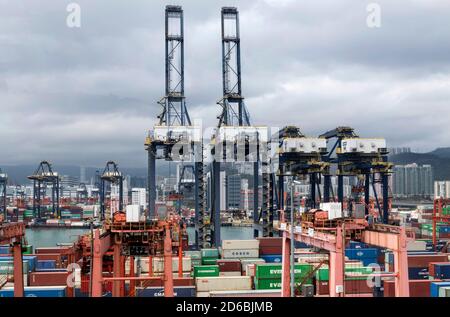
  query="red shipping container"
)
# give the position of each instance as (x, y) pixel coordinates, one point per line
(58, 250)
(229, 265)
(417, 288)
(270, 242)
(351, 287)
(425, 260)
(186, 281)
(270, 250)
(48, 278)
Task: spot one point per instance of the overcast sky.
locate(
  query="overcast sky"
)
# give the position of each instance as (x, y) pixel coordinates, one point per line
(87, 95)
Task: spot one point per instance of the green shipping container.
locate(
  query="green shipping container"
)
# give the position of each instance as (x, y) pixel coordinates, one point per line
(273, 271)
(322, 274)
(210, 253)
(194, 255)
(206, 270)
(274, 283)
(209, 261)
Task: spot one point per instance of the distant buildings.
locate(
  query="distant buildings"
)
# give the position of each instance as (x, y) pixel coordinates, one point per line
(139, 197)
(442, 189)
(413, 180)
(399, 150)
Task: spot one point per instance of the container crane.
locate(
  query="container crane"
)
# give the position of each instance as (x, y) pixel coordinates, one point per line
(234, 139)
(175, 138)
(300, 156)
(355, 156)
(43, 176)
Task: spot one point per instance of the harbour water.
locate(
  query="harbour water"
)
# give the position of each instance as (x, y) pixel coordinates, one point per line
(42, 237)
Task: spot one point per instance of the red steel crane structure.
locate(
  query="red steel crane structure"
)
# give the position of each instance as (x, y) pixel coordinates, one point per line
(12, 233)
(333, 239)
(439, 215)
(153, 238)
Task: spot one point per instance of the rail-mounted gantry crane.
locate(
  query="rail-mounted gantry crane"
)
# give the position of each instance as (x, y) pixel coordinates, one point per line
(175, 138)
(111, 175)
(234, 139)
(3, 200)
(297, 156)
(355, 156)
(43, 176)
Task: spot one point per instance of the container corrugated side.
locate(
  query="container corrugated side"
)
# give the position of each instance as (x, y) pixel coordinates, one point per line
(226, 283)
(240, 253)
(240, 244)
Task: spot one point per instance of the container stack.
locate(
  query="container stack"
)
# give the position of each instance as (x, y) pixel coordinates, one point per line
(240, 249)
(229, 267)
(196, 257)
(206, 271)
(353, 283)
(270, 249)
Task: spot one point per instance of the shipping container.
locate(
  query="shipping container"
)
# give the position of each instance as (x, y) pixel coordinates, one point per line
(444, 292)
(322, 274)
(273, 271)
(417, 288)
(45, 264)
(442, 271)
(7, 267)
(231, 273)
(210, 253)
(435, 286)
(240, 253)
(226, 265)
(240, 244)
(417, 273)
(48, 278)
(206, 270)
(37, 291)
(226, 283)
(272, 258)
(209, 261)
(253, 293)
(180, 291)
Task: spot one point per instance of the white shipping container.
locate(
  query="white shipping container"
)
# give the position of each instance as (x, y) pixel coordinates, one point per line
(334, 210)
(246, 262)
(133, 213)
(416, 245)
(202, 294)
(225, 283)
(158, 264)
(253, 293)
(240, 253)
(444, 291)
(240, 244)
(232, 273)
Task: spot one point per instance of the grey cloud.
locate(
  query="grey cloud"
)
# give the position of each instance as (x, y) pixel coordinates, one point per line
(86, 95)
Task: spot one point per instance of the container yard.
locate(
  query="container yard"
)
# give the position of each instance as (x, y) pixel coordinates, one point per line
(323, 242)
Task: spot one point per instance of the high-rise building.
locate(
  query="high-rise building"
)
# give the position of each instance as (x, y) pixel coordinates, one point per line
(83, 178)
(413, 180)
(138, 196)
(234, 191)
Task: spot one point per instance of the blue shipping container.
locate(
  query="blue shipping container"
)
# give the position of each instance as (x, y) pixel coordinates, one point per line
(181, 291)
(442, 271)
(434, 288)
(46, 264)
(300, 245)
(32, 261)
(271, 258)
(357, 254)
(418, 273)
(39, 291)
(4, 249)
(51, 270)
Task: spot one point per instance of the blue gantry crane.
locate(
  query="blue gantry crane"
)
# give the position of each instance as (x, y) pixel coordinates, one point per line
(355, 156)
(42, 177)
